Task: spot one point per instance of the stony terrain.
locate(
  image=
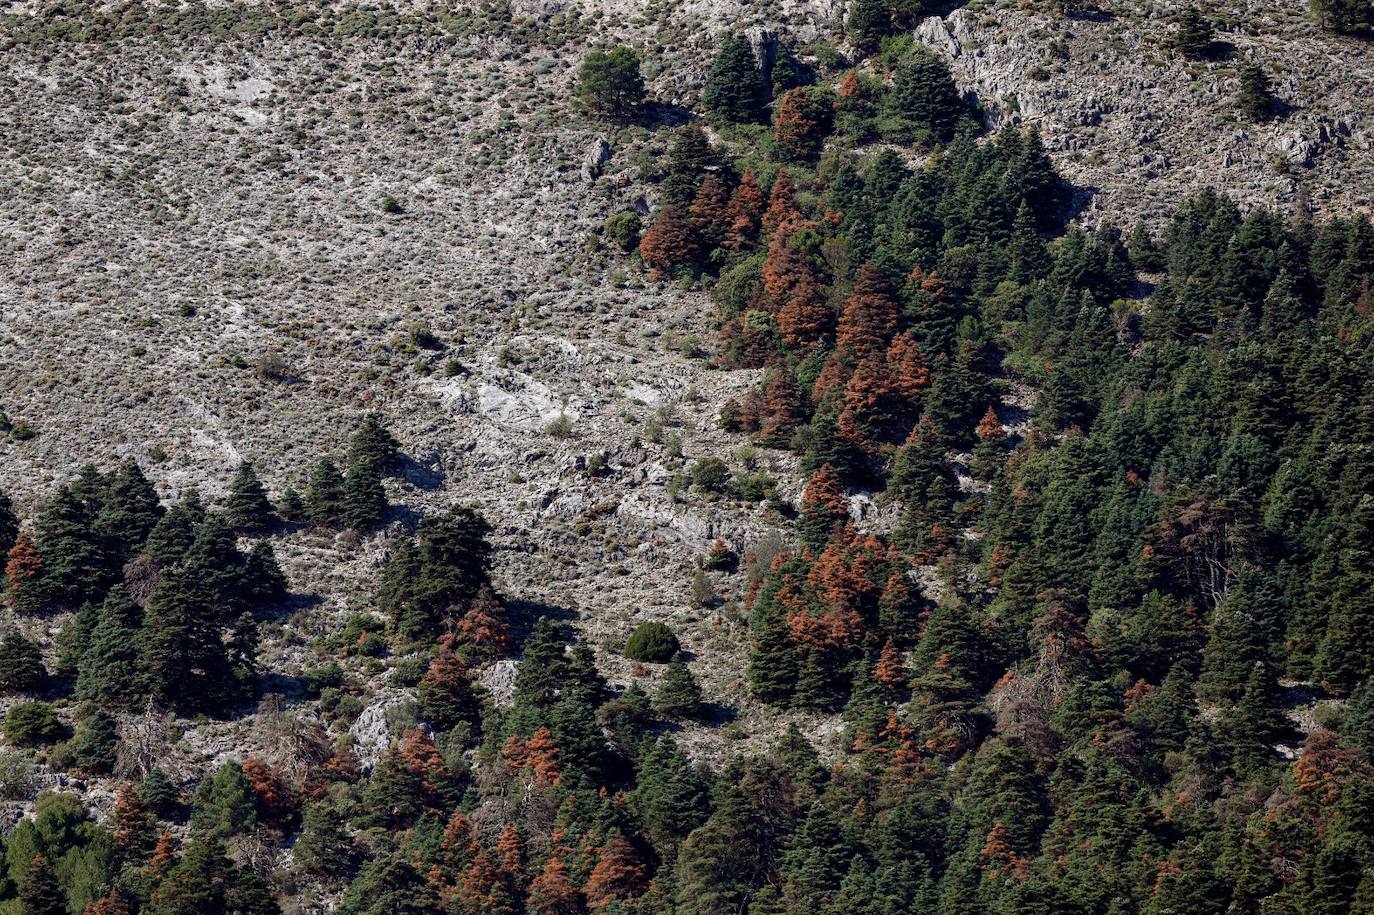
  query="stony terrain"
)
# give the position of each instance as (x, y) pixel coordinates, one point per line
(1136, 127)
(198, 268)
(225, 208)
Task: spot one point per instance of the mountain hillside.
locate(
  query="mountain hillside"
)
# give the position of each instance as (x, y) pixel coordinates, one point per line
(978, 395)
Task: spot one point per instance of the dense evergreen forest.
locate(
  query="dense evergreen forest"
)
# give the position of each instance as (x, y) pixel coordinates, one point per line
(1114, 655)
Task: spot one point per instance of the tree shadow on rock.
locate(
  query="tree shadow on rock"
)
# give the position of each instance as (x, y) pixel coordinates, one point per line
(523, 614)
(656, 115)
(422, 477)
(718, 715)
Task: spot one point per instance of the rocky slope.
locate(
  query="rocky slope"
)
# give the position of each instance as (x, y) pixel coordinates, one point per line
(199, 269)
(1136, 127)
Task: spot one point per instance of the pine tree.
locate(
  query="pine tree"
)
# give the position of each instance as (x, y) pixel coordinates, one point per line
(1194, 35)
(74, 638)
(691, 158)
(131, 509)
(181, 650)
(823, 506)
(923, 105)
(324, 848)
(248, 509)
(609, 82)
(800, 123)
(543, 666)
(292, 505)
(678, 695)
(1345, 655)
(21, 665)
(484, 630)
(39, 892)
(24, 573)
(109, 669)
(446, 693)
(1245, 626)
(773, 665)
(132, 830)
(782, 209)
(817, 860)
(174, 533)
(668, 242)
(224, 804)
(264, 582)
(1145, 252)
(1346, 17)
(891, 672)
(870, 314)
(426, 582)
(743, 214)
(870, 21)
(671, 796)
(373, 446)
(617, 875)
(111, 904)
(364, 499)
(709, 212)
(1256, 97)
(324, 493)
(77, 563)
(1357, 724)
(390, 884)
(552, 892)
(205, 880)
(804, 318)
(781, 410)
(734, 87)
(1029, 258)
(95, 744)
(159, 795)
(1255, 723)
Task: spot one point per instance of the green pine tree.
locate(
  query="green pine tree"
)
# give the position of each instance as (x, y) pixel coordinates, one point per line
(77, 561)
(690, 158)
(224, 804)
(324, 848)
(324, 493)
(1256, 96)
(21, 665)
(130, 511)
(734, 87)
(870, 21)
(678, 696)
(159, 795)
(817, 860)
(1194, 35)
(248, 509)
(923, 105)
(671, 796)
(96, 743)
(109, 670)
(1346, 17)
(609, 82)
(173, 534)
(292, 505)
(264, 581)
(364, 499)
(373, 446)
(1254, 723)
